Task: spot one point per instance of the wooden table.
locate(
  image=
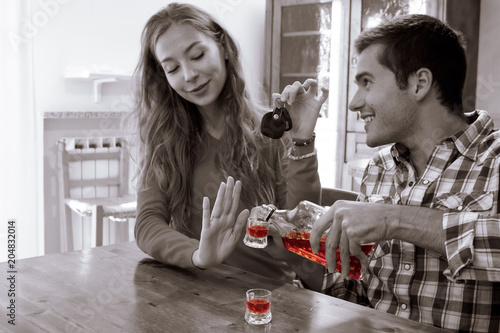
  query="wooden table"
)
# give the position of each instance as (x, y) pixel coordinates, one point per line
(117, 288)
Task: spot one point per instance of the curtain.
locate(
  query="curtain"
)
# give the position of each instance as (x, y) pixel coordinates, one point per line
(21, 175)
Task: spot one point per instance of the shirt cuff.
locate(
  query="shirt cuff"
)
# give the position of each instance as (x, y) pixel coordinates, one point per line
(459, 230)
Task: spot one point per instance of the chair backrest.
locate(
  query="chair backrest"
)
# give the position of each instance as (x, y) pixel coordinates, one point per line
(330, 195)
(93, 167)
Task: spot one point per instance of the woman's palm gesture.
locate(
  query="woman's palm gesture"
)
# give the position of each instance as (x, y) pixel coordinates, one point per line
(221, 230)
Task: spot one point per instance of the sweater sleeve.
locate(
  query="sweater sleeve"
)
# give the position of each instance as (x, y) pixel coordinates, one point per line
(302, 179)
(155, 237)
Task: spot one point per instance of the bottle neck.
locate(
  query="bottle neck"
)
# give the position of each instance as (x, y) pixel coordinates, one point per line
(305, 209)
(266, 212)
(284, 214)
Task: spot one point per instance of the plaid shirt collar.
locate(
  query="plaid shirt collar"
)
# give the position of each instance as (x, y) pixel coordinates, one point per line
(466, 142)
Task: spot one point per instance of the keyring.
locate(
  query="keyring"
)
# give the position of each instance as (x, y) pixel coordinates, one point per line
(276, 122)
(280, 102)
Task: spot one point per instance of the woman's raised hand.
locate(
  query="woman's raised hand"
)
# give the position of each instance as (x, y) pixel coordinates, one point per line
(304, 105)
(221, 230)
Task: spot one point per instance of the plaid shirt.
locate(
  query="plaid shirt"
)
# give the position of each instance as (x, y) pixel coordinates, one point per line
(459, 292)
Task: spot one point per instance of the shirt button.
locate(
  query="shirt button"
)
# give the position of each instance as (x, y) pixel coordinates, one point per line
(407, 267)
(425, 181)
(460, 207)
(403, 306)
(410, 184)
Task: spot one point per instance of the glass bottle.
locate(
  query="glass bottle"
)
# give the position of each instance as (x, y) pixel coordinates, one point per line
(295, 226)
(300, 218)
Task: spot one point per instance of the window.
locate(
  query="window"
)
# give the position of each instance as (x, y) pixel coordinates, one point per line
(314, 38)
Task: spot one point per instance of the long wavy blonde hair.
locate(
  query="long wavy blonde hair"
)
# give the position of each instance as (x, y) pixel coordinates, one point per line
(172, 132)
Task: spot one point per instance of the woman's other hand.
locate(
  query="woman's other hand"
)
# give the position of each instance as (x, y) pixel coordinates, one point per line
(221, 230)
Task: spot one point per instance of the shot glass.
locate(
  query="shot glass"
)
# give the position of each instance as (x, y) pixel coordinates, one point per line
(257, 230)
(258, 307)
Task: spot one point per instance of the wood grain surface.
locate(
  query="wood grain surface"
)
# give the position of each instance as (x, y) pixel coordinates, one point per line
(118, 288)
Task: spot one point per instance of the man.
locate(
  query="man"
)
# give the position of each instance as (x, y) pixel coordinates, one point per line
(430, 200)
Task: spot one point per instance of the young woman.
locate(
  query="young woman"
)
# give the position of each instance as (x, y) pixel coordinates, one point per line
(199, 127)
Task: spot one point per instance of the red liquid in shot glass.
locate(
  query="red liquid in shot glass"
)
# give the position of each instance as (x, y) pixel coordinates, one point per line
(298, 242)
(258, 306)
(258, 231)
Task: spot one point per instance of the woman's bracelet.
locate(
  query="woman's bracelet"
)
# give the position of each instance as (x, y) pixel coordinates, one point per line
(304, 143)
(301, 157)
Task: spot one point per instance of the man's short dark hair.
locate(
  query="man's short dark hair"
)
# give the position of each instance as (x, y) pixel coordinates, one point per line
(416, 41)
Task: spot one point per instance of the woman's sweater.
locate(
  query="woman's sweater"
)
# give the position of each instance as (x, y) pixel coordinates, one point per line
(156, 238)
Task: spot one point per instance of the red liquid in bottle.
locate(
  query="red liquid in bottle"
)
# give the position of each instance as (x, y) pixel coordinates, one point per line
(258, 306)
(258, 231)
(298, 242)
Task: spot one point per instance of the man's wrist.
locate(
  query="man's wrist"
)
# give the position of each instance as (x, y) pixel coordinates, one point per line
(394, 222)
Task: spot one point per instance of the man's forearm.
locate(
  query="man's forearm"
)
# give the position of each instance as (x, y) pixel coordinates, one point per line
(418, 225)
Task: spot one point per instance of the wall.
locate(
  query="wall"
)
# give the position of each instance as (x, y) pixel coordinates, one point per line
(105, 34)
(488, 69)
(55, 128)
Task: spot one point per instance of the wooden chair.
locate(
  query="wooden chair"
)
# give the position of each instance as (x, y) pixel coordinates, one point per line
(330, 195)
(93, 181)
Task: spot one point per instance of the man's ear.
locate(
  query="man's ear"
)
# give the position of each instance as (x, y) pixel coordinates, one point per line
(420, 83)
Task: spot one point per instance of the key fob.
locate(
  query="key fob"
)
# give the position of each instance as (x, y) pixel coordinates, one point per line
(275, 123)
